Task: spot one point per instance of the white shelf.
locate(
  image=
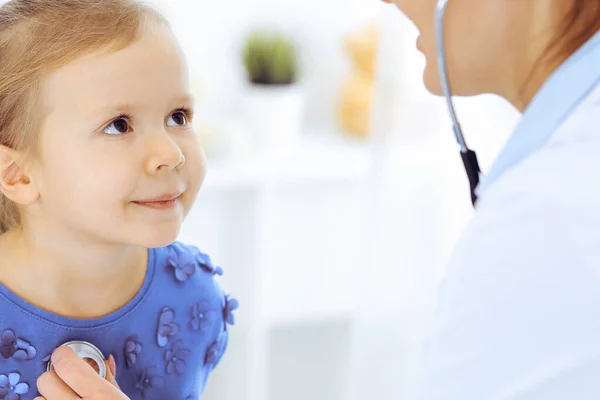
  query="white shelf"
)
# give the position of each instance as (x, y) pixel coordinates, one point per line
(314, 159)
(287, 228)
(300, 317)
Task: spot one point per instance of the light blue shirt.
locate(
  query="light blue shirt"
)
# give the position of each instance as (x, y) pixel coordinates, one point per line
(518, 313)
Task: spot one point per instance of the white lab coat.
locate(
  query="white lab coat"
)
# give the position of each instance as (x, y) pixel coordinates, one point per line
(519, 308)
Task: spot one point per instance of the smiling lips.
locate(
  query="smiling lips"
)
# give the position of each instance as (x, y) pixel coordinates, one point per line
(164, 202)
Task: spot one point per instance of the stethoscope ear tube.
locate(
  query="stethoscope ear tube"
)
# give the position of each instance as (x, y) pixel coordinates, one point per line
(468, 156)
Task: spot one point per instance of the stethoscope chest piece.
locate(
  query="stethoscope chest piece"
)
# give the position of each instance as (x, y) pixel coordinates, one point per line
(85, 350)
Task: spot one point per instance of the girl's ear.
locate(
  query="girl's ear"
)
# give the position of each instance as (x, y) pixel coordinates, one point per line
(15, 183)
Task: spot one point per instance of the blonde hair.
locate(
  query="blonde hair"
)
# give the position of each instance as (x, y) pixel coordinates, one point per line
(39, 36)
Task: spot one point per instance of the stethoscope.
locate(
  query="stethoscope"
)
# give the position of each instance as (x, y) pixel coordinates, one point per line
(468, 156)
(85, 350)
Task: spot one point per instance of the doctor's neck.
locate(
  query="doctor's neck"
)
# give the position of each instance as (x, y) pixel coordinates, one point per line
(549, 47)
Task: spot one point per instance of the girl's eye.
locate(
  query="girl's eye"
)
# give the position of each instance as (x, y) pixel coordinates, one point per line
(179, 118)
(118, 127)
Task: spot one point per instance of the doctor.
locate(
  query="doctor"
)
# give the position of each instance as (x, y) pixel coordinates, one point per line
(519, 309)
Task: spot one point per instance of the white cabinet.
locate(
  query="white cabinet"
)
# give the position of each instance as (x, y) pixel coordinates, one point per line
(288, 231)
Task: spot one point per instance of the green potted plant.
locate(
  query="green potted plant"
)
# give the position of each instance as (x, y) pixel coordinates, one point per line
(270, 59)
(274, 100)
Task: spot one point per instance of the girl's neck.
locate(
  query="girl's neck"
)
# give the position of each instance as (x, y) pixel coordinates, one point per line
(69, 277)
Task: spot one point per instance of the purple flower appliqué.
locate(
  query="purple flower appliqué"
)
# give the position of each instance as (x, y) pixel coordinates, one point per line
(149, 380)
(16, 348)
(207, 265)
(183, 263)
(176, 357)
(202, 316)
(166, 326)
(11, 387)
(132, 350)
(216, 349)
(231, 305)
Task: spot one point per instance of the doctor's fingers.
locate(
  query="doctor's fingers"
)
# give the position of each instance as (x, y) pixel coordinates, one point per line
(82, 378)
(111, 371)
(51, 387)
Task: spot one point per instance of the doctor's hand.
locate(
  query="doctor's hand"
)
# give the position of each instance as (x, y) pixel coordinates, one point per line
(73, 378)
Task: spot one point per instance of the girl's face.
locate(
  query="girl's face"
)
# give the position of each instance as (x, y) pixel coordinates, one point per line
(486, 42)
(119, 161)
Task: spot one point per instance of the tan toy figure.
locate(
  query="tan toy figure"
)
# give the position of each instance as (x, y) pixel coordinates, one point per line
(356, 96)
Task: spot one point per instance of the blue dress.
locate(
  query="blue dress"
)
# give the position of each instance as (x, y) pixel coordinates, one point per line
(165, 341)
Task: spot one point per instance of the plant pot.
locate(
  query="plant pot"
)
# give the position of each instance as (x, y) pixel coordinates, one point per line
(274, 114)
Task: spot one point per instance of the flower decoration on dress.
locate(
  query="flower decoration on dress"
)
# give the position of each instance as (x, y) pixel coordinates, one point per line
(231, 305)
(176, 358)
(202, 316)
(149, 380)
(166, 326)
(207, 265)
(216, 349)
(11, 387)
(183, 264)
(132, 350)
(16, 348)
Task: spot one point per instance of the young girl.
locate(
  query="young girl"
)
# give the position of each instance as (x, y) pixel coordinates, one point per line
(99, 165)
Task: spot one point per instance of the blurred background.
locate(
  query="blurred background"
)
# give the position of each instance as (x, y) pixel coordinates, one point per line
(334, 193)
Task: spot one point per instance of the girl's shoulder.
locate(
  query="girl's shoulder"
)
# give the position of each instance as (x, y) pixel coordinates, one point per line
(188, 272)
(190, 299)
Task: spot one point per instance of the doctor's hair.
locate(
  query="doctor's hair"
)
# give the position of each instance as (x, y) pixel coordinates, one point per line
(581, 21)
(37, 37)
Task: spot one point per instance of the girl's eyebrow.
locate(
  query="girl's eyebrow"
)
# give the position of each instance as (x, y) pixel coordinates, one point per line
(187, 98)
(125, 108)
(120, 108)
